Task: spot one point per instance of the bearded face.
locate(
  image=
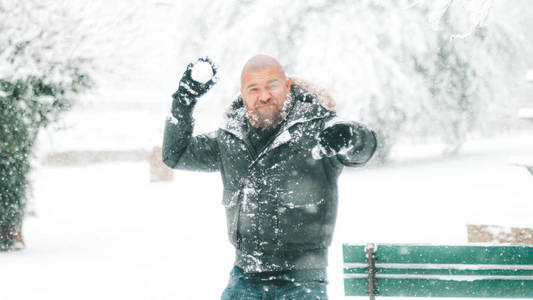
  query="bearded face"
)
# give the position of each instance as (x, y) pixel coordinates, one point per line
(266, 96)
(268, 115)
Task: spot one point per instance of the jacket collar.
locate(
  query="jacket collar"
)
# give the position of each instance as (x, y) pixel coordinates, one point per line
(305, 107)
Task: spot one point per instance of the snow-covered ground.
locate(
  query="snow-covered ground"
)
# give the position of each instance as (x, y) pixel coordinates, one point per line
(105, 232)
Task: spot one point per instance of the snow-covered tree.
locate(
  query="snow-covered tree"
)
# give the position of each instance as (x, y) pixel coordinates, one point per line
(474, 75)
(49, 53)
(411, 69)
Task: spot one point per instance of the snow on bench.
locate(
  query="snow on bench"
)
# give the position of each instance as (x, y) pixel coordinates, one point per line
(408, 270)
(526, 114)
(525, 162)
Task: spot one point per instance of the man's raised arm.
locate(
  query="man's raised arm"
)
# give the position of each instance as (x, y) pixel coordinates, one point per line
(181, 150)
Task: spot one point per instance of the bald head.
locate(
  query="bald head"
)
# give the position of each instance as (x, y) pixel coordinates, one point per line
(260, 63)
(264, 90)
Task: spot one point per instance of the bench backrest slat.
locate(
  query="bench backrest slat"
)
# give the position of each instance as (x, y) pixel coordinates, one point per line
(442, 271)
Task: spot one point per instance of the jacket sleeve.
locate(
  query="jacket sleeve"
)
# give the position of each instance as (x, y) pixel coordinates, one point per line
(365, 144)
(182, 150)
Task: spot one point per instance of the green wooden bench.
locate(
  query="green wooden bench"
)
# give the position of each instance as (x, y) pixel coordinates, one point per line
(481, 271)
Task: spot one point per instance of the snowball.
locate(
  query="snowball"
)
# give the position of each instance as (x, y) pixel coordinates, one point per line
(202, 72)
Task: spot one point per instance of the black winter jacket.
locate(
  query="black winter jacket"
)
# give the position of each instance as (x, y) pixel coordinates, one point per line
(281, 204)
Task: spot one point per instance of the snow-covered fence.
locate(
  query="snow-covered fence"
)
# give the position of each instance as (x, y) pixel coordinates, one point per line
(499, 234)
(438, 271)
(90, 157)
(158, 170)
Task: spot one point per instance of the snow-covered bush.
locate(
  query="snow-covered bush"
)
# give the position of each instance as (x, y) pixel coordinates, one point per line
(25, 107)
(49, 53)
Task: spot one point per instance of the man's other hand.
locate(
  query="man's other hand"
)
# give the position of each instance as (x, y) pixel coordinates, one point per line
(335, 139)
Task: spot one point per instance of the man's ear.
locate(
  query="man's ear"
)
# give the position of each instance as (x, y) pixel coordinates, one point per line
(288, 83)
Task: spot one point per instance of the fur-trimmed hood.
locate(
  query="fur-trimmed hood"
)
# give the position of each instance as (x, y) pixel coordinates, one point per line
(308, 92)
(321, 94)
(308, 102)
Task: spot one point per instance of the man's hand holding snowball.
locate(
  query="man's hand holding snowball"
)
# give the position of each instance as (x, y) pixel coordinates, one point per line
(197, 79)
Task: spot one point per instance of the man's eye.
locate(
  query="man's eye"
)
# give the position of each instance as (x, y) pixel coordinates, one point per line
(253, 90)
(274, 85)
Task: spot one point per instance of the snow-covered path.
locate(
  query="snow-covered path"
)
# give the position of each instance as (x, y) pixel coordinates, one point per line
(105, 232)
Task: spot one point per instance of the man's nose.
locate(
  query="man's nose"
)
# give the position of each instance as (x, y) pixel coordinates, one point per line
(264, 96)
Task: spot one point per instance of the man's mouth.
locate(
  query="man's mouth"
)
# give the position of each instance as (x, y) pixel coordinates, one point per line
(265, 105)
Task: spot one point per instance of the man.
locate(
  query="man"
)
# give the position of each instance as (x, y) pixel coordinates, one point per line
(280, 153)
